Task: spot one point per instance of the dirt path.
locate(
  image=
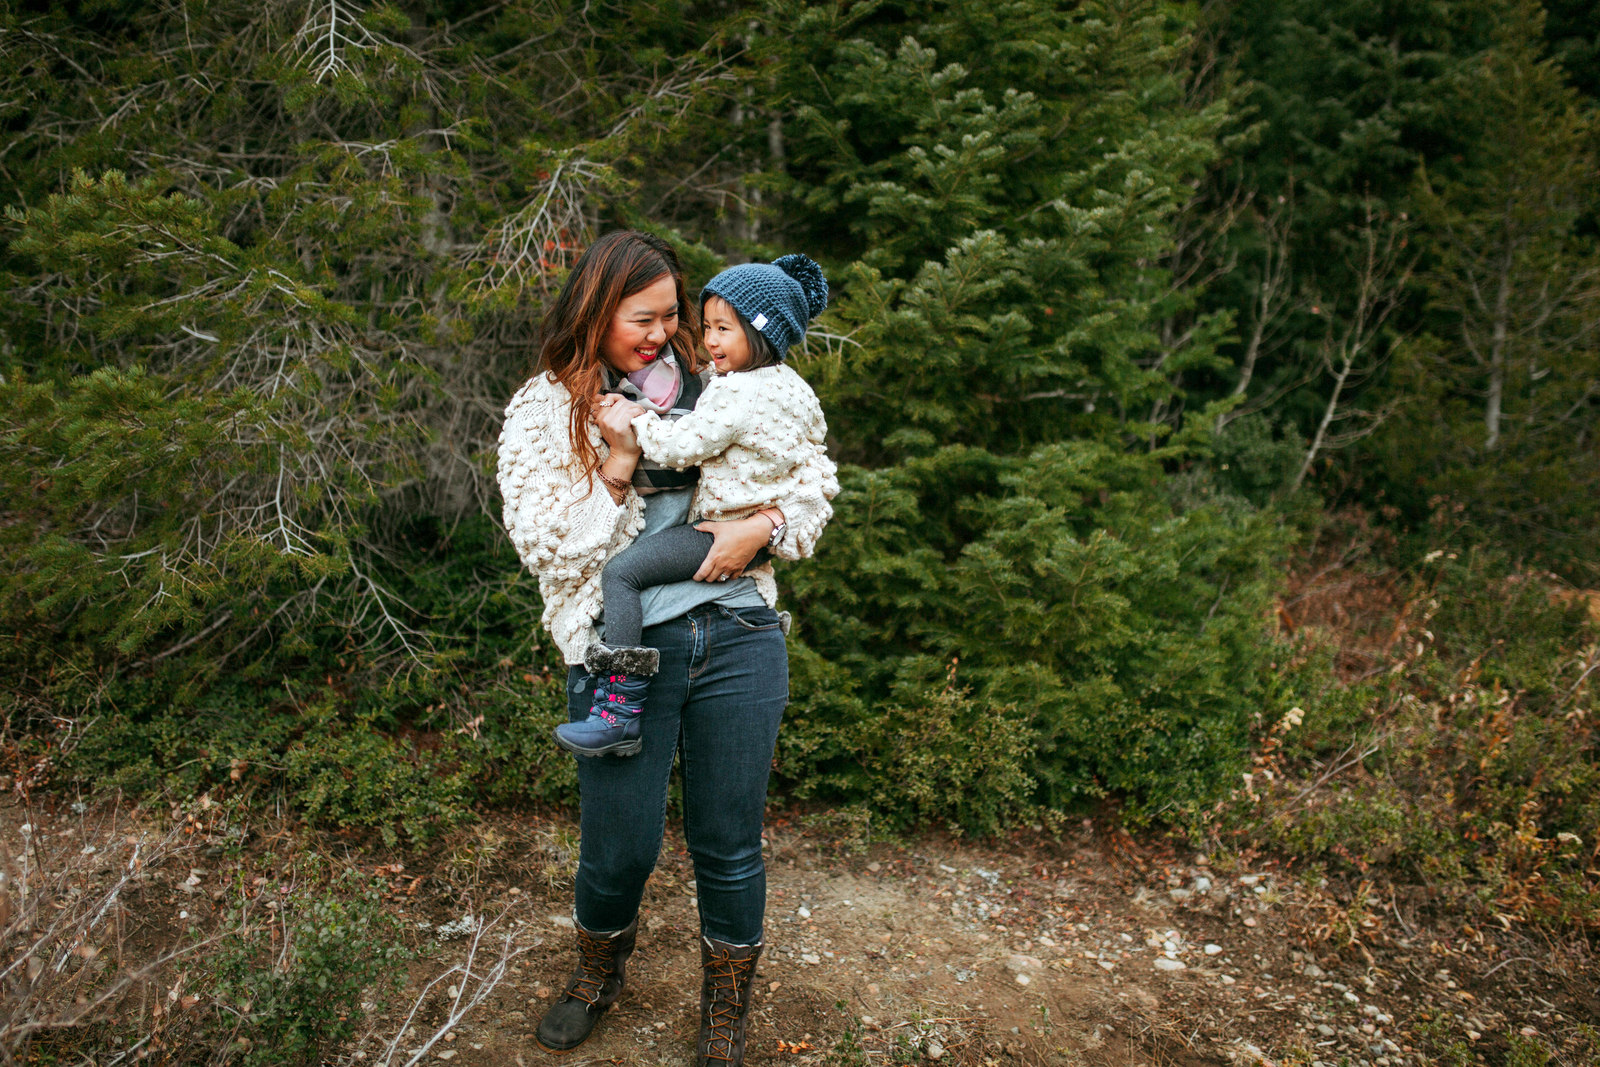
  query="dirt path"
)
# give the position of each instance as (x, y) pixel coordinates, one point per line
(939, 952)
(1090, 950)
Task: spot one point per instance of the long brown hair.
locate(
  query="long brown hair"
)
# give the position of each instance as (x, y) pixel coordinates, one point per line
(613, 268)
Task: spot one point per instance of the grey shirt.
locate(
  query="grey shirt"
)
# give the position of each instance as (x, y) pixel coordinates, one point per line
(664, 602)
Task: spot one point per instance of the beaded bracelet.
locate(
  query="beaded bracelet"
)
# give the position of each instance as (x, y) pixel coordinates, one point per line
(613, 483)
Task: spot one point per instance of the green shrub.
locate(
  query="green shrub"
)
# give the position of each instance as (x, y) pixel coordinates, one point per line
(990, 638)
(1256, 459)
(334, 764)
(347, 773)
(514, 759)
(350, 745)
(278, 981)
(291, 998)
(926, 752)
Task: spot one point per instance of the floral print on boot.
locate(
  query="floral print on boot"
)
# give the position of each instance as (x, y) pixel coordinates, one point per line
(622, 679)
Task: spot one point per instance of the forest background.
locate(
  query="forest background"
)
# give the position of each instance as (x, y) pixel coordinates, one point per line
(1147, 317)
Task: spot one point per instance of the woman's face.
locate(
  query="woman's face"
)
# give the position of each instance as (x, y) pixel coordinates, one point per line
(725, 337)
(643, 324)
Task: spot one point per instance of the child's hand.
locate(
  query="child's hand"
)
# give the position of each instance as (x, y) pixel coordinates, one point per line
(615, 424)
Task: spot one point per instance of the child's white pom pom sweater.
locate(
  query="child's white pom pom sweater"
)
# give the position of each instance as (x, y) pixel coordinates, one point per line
(759, 439)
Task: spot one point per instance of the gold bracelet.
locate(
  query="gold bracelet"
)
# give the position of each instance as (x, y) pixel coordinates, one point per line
(613, 483)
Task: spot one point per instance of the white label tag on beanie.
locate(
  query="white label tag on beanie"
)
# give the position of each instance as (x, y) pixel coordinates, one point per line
(759, 321)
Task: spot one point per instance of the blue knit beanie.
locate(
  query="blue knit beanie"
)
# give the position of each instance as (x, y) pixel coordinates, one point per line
(776, 298)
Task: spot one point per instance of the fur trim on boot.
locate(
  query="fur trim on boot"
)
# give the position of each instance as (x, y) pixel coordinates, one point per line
(629, 659)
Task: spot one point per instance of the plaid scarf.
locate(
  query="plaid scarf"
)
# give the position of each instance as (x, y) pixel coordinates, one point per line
(650, 476)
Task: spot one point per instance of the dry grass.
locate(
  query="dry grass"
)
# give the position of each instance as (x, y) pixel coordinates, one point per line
(71, 949)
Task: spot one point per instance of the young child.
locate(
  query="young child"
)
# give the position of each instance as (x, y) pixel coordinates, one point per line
(756, 432)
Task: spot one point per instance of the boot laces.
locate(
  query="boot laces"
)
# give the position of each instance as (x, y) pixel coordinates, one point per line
(595, 955)
(723, 1010)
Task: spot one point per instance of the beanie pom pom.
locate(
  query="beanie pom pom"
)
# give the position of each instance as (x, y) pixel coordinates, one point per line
(813, 282)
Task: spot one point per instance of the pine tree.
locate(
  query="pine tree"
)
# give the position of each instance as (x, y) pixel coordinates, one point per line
(270, 272)
(1339, 103)
(1010, 581)
(1512, 356)
(1006, 210)
(260, 345)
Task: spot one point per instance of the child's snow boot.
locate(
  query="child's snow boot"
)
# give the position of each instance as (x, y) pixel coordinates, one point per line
(622, 678)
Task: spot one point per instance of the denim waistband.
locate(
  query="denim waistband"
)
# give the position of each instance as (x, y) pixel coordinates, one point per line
(709, 611)
(706, 611)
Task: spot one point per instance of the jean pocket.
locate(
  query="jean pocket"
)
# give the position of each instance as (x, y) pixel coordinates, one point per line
(756, 619)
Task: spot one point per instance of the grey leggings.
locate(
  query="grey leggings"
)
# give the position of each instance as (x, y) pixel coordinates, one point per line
(673, 555)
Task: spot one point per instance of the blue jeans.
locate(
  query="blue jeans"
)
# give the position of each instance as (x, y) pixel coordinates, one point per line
(715, 704)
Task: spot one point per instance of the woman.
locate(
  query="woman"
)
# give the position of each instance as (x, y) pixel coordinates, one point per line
(577, 493)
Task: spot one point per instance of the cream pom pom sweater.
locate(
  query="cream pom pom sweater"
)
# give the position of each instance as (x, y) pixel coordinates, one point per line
(566, 527)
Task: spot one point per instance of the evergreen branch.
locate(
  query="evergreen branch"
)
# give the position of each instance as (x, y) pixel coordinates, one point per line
(400, 631)
(543, 236)
(305, 599)
(320, 38)
(221, 621)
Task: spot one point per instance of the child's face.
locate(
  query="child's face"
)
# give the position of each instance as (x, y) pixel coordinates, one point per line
(725, 337)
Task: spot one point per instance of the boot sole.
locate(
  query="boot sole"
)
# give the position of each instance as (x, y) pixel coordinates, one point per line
(617, 748)
(562, 1051)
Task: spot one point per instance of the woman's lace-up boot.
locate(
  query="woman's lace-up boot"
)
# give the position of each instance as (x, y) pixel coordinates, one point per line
(594, 987)
(724, 1001)
(622, 679)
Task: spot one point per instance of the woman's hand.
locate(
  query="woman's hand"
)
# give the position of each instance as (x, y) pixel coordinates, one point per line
(736, 543)
(615, 416)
